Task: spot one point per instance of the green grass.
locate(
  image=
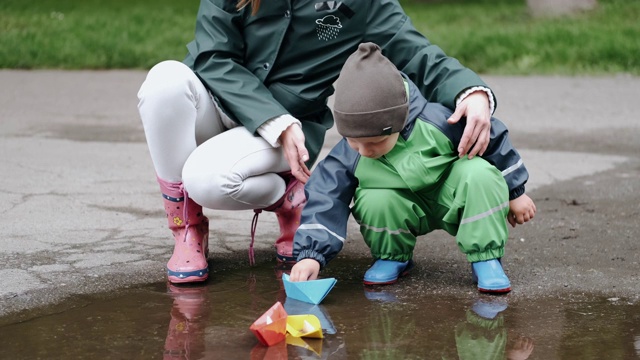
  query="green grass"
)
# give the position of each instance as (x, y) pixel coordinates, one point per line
(500, 37)
(489, 36)
(94, 34)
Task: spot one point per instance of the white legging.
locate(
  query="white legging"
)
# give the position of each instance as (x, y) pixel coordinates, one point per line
(222, 165)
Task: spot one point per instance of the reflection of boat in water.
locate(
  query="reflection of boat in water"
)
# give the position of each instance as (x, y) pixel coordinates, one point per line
(331, 346)
(297, 307)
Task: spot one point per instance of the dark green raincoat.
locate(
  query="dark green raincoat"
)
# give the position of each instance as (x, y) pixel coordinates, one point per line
(285, 58)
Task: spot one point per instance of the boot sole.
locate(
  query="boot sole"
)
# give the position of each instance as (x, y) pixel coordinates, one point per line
(495, 291)
(177, 277)
(190, 279)
(381, 283)
(403, 274)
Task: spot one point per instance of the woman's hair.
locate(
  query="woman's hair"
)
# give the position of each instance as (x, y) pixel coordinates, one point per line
(255, 5)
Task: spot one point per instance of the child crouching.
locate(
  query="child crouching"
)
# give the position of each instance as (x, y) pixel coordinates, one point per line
(398, 163)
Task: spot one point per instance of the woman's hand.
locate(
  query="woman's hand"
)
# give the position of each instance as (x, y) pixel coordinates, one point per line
(292, 141)
(305, 269)
(475, 107)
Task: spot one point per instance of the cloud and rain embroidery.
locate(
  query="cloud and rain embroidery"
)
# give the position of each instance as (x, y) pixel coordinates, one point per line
(328, 27)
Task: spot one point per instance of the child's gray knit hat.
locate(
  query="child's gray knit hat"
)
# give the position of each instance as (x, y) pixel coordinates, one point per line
(370, 98)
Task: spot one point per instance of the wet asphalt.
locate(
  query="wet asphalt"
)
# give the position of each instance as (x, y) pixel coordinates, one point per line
(82, 212)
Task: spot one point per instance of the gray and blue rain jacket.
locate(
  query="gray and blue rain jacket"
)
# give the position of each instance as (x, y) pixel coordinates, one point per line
(331, 188)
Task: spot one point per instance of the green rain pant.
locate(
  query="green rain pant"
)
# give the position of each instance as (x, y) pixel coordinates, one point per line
(471, 202)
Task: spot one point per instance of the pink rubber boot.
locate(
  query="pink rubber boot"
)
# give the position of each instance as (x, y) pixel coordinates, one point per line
(191, 234)
(288, 210)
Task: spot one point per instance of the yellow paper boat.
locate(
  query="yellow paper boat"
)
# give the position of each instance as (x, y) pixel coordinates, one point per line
(304, 326)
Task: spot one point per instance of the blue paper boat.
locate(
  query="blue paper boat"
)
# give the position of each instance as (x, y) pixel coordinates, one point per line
(312, 291)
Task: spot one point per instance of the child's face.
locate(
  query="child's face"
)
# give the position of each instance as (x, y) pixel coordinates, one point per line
(375, 146)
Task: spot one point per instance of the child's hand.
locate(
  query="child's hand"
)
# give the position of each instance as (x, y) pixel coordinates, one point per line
(305, 269)
(521, 210)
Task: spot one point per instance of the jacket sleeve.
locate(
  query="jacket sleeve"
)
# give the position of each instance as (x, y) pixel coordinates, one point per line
(439, 77)
(216, 55)
(329, 191)
(501, 154)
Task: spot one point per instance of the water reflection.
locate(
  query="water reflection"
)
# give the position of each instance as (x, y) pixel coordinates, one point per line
(189, 318)
(295, 307)
(481, 334)
(403, 321)
(389, 331)
(330, 346)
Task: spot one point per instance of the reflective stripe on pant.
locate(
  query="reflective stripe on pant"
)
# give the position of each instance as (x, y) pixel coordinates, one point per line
(471, 203)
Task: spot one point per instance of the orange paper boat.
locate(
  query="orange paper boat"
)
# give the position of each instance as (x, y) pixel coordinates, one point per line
(271, 327)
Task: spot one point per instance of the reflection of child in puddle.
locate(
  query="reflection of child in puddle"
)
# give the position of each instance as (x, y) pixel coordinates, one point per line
(481, 335)
(484, 336)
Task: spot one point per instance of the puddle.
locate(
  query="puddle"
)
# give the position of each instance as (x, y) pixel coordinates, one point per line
(161, 321)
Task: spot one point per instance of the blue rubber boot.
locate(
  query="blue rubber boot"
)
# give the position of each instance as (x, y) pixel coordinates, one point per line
(384, 272)
(490, 277)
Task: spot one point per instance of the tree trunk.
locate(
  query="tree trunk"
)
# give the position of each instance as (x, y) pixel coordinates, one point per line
(559, 7)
